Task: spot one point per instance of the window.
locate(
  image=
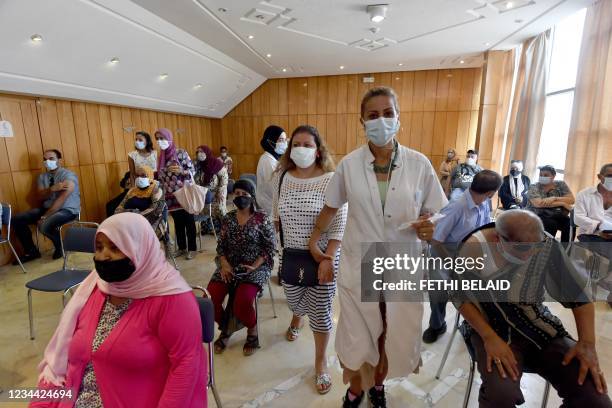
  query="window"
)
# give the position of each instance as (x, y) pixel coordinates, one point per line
(566, 40)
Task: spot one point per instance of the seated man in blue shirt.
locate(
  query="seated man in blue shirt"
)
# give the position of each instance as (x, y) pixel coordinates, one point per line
(58, 189)
(462, 216)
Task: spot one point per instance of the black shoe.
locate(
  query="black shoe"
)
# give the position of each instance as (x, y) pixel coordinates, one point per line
(27, 257)
(431, 335)
(347, 403)
(377, 398)
(57, 255)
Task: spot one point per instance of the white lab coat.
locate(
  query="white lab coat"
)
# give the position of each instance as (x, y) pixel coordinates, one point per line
(413, 187)
(265, 183)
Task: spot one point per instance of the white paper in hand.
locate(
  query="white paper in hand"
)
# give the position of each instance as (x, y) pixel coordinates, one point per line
(434, 218)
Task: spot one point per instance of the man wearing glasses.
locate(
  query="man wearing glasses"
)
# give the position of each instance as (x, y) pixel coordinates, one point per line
(511, 331)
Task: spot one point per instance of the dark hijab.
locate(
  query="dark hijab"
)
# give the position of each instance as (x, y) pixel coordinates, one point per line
(270, 136)
(209, 167)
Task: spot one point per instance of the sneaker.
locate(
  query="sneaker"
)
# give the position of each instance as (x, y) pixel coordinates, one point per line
(347, 403)
(28, 257)
(431, 335)
(190, 255)
(377, 398)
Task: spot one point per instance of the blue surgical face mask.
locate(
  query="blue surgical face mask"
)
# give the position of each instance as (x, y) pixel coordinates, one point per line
(163, 144)
(607, 183)
(140, 145)
(142, 182)
(382, 130)
(280, 147)
(50, 164)
(545, 180)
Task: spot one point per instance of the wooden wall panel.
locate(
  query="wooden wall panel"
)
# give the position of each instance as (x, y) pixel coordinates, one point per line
(436, 111)
(93, 142)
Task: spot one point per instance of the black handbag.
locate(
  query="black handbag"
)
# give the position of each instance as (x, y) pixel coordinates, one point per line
(298, 267)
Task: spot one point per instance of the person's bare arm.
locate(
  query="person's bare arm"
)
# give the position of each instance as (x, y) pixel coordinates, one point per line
(61, 199)
(323, 222)
(498, 351)
(584, 350)
(132, 167)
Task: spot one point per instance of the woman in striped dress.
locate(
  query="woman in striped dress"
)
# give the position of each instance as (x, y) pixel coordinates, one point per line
(300, 183)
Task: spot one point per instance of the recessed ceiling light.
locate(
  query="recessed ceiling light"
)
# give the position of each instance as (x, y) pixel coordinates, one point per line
(36, 38)
(163, 76)
(269, 55)
(341, 66)
(487, 44)
(509, 5)
(377, 12)
(114, 60)
(400, 64)
(284, 69)
(462, 62)
(251, 37)
(198, 86)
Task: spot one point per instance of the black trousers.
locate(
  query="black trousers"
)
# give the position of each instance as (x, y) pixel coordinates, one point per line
(185, 228)
(558, 223)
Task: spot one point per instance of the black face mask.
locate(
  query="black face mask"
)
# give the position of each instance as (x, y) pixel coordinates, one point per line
(115, 271)
(514, 173)
(242, 202)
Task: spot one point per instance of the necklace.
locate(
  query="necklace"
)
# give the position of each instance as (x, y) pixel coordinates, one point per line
(384, 169)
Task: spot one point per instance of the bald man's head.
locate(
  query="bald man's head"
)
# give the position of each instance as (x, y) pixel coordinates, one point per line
(519, 226)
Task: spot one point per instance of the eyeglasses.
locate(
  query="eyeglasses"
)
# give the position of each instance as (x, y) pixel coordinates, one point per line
(524, 246)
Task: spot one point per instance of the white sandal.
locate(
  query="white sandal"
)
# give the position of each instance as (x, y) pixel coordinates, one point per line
(323, 380)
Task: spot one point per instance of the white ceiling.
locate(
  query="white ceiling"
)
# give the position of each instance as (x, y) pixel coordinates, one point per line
(316, 37)
(194, 41)
(81, 36)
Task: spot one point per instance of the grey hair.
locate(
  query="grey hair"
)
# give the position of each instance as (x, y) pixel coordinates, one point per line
(516, 224)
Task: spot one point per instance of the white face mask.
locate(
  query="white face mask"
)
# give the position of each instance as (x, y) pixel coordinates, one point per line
(303, 157)
(280, 147)
(544, 180)
(140, 144)
(163, 144)
(450, 155)
(470, 161)
(509, 257)
(201, 156)
(142, 182)
(224, 155)
(608, 183)
(50, 164)
(382, 130)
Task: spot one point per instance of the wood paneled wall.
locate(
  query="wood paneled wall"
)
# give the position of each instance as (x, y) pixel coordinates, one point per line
(439, 109)
(94, 140)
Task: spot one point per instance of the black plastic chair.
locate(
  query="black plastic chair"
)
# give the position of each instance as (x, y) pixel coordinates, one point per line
(78, 237)
(207, 315)
(199, 218)
(6, 239)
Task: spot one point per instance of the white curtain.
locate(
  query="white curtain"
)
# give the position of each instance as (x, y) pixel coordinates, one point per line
(590, 136)
(527, 115)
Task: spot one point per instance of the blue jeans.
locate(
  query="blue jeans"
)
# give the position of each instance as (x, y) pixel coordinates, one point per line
(49, 227)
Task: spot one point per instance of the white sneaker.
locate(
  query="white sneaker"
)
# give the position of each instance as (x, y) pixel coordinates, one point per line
(190, 255)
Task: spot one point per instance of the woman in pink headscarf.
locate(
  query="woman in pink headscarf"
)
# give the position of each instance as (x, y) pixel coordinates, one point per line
(131, 336)
(174, 167)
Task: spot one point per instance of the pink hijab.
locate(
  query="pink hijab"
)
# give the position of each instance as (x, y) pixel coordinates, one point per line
(169, 154)
(154, 276)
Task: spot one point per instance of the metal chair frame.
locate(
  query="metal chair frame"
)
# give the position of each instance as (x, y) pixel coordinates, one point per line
(64, 268)
(7, 240)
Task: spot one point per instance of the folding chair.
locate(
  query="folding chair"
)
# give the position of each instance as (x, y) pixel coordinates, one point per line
(6, 239)
(207, 315)
(78, 237)
(210, 197)
(249, 176)
(78, 218)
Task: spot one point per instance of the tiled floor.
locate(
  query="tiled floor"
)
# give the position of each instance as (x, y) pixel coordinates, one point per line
(280, 373)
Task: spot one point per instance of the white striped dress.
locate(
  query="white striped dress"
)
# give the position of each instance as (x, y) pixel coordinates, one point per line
(298, 207)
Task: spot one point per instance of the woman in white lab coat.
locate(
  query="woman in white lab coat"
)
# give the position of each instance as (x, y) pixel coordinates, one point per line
(385, 185)
(274, 143)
